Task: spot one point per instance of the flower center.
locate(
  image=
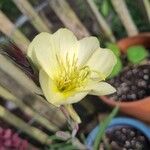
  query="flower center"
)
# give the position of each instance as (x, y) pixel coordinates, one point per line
(69, 76)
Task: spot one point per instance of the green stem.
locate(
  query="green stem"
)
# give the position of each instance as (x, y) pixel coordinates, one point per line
(103, 126)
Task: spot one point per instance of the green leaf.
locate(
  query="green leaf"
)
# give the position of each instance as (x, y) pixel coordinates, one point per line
(117, 68)
(136, 54)
(114, 47)
(105, 8)
(103, 126)
(55, 137)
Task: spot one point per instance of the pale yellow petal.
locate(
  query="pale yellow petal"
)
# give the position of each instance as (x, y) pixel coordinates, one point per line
(86, 48)
(76, 97)
(102, 88)
(73, 113)
(49, 89)
(65, 42)
(45, 52)
(102, 61)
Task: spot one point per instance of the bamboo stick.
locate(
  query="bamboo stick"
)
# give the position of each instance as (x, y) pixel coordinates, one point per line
(9, 79)
(26, 8)
(45, 19)
(147, 8)
(43, 121)
(101, 21)
(24, 127)
(68, 17)
(37, 103)
(140, 6)
(9, 67)
(124, 15)
(9, 29)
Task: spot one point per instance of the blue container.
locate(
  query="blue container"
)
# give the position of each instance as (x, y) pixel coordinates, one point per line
(120, 121)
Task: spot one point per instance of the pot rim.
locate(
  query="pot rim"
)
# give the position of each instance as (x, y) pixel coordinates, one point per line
(140, 39)
(119, 121)
(113, 102)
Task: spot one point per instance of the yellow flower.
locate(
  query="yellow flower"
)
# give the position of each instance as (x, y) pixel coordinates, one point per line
(70, 69)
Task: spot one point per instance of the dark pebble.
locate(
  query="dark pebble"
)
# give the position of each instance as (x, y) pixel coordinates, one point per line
(127, 138)
(132, 84)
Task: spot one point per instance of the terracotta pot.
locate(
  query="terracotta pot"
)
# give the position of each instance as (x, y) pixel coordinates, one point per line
(141, 108)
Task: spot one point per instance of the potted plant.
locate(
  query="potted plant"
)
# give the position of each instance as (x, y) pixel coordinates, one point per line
(122, 133)
(138, 108)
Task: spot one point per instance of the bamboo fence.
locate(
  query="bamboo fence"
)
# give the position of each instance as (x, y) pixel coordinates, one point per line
(16, 87)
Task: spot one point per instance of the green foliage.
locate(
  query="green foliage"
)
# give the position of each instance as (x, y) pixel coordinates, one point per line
(114, 47)
(9, 8)
(103, 126)
(64, 140)
(105, 8)
(136, 54)
(60, 144)
(117, 68)
(138, 15)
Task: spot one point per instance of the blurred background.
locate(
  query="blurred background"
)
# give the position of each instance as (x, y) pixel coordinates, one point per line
(23, 112)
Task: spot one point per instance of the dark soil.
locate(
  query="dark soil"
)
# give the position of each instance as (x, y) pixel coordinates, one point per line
(132, 84)
(126, 138)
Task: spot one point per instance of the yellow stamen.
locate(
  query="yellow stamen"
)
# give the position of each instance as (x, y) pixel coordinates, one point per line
(69, 76)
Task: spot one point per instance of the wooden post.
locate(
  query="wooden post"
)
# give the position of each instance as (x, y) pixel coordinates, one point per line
(26, 8)
(24, 127)
(124, 15)
(27, 110)
(68, 17)
(9, 29)
(101, 21)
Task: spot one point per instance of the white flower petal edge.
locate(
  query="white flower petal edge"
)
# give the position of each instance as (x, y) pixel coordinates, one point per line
(102, 88)
(102, 61)
(86, 48)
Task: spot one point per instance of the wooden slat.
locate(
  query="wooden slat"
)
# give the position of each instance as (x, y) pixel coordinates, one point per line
(9, 67)
(26, 8)
(124, 15)
(11, 80)
(101, 21)
(24, 127)
(147, 8)
(27, 110)
(68, 17)
(45, 19)
(8, 28)
(37, 103)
